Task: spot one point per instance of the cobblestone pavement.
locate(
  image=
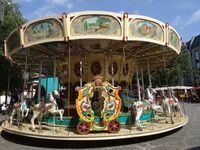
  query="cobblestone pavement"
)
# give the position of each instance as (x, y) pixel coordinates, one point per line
(187, 137)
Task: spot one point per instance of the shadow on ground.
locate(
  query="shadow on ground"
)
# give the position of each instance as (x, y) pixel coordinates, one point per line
(194, 148)
(80, 144)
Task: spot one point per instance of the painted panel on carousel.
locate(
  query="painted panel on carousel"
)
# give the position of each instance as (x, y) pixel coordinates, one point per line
(173, 39)
(13, 41)
(146, 29)
(95, 25)
(43, 30)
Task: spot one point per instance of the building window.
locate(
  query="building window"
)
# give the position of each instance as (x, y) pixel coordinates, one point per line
(196, 55)
(198, 66)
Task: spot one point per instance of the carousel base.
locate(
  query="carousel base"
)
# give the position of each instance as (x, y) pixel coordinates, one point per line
(63, 133)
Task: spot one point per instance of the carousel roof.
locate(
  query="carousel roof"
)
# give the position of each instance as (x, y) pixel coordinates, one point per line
(144, 39)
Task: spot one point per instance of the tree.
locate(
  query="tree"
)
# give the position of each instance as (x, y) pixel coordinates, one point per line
(9, 70)
(12, 19)
(178, 73)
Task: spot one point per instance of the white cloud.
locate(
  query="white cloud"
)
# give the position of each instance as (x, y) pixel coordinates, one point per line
(177, 22)
(70, 6)
(136, 12)
(181, 22)
(144, 1)
(58, 2)
(22, 1)
(195, 17)
(42, 11)
(50, 7)
(121, 11)
(187, 5)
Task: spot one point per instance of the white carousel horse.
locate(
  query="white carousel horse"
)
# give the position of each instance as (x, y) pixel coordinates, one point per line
(165, 104)
(138, 107)
(136, 111)
(20, 107)
(165, 107)
(174, 103)
(151, 98)
(40, 109)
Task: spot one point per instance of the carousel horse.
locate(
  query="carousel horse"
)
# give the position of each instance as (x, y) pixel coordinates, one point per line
(19, 109)
(151, 99)
(42, 108)
(174, 103)
(165, 104)
(136, 111)
(164, 108)
(138, 107)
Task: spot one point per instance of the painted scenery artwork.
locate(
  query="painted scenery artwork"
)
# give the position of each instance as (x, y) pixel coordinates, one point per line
(173, 39)
(95, 25)
(43, 30)
(146, 29)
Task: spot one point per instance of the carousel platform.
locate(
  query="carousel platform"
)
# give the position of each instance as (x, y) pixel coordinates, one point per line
(65, 133)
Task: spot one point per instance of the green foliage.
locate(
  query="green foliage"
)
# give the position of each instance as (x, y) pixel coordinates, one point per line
(12, 19)
(12, 71)
(179, 73)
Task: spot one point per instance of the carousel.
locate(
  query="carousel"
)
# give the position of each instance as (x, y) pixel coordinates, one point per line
(94, 55)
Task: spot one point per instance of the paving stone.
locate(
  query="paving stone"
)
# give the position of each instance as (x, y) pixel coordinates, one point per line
(166, 148)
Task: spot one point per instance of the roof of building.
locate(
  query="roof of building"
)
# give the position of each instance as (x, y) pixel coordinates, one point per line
(195, 43)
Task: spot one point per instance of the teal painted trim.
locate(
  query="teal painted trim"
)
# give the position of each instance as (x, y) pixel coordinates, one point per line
(67, 121)
(123, 118)
(48, 84)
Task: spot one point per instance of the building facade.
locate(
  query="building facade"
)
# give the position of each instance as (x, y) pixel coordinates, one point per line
(194, 46)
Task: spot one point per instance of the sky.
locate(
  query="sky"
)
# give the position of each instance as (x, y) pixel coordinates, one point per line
(183, 15)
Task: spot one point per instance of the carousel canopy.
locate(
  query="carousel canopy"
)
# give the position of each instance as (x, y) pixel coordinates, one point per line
(106, 43)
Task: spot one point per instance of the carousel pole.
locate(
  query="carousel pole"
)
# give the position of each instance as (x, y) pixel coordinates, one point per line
(69, 67)
(124, 61)
(166, 82)
(138, 82)
(112, 69)
(149, 74)
(68, 89)
(124, 65)
(142, 76)
(39, 86)
(54, 88)
(47, 83)
(54, 74)
(81, 72)
(113, 81)
(25, 72)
